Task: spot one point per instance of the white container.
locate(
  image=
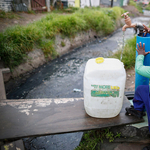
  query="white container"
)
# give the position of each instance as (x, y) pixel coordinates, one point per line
(104, 84)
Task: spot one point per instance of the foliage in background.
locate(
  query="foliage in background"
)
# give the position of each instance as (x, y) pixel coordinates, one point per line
(136, 5)
(92, 138)
(128, 56)
(147, 7)
(16, 42)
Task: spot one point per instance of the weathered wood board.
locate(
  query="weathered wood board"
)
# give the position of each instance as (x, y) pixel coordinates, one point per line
(36, 117)
(2, 87)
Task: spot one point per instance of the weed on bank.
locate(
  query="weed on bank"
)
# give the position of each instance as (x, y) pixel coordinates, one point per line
(17, 41)
(128, 53)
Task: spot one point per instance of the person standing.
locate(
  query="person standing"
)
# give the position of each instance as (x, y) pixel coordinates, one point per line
(141, 98)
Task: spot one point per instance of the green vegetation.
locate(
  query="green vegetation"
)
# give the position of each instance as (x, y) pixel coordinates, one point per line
(9, 15)
(129, 52)
(136, 5)
(63, 44)
(147, 7)
(128, 56)
(91, 139)
(16, 42)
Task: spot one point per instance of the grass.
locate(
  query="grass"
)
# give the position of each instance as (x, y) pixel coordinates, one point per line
(129, 53)
(17, 41)
(9, 15)
(128, 56)
(91, 139)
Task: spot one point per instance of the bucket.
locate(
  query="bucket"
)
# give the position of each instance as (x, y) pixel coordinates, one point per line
(104, 83)
(140, 80)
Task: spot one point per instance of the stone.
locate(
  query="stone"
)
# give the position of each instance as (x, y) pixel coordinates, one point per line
(16, 22)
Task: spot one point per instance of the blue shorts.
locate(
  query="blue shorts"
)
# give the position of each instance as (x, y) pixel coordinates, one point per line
(141, 100)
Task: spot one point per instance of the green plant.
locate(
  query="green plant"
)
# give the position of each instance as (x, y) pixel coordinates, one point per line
(9, 15)
(110, 136)
(91, 138)
(63, 44)
(115, 12)
(48, 48)
(128, 56)
(100, 21)
(17, 41)
(118, 135)
(147, 7)
(31, 12)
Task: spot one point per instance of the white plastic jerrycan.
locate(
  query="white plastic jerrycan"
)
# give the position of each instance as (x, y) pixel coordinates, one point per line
(104, 83)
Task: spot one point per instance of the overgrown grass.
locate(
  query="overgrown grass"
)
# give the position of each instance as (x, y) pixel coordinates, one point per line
(136, 5)
(128, 56)
(17, 41)
(91, 139)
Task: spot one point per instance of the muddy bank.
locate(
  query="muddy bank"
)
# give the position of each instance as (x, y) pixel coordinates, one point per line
(36, 57)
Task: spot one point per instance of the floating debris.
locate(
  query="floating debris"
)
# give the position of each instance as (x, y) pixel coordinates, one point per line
(76, 90)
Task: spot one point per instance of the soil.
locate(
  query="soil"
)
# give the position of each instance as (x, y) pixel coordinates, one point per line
(133, 11)
(22, 18)
(25, 18)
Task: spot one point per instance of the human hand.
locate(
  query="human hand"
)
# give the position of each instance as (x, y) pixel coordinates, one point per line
(141, 50)
(146, 30)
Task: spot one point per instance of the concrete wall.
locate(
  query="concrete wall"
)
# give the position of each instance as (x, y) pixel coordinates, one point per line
(5, 5)
(71, 3)
(108, 2)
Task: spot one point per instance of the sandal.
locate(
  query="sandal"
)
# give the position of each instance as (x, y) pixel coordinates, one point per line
(131, 111)
(146, 148)
(144, 114)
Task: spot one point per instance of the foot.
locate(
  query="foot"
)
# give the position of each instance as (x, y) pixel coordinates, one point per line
(146, 147)
(131, 111)
(144, 114)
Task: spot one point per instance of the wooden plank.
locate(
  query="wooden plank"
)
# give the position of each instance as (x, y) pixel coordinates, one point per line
(37, 117)
(2, 87)
(41, 4)
(16, 145)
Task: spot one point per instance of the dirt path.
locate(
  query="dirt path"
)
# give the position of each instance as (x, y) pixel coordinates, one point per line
(25, 18)
(21, 19)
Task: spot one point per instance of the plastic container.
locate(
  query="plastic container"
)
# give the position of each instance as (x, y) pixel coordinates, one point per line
(140, 80)
(104, 83)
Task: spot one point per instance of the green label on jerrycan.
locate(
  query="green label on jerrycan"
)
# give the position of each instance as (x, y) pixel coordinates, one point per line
(105, 91)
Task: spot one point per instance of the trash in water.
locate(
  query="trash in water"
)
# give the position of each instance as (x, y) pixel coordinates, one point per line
(76, 90)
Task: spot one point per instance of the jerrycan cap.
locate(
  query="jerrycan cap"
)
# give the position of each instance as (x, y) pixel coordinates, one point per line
(99, 60)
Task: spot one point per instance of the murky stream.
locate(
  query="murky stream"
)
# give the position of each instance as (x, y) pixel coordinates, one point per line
(62, 77)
